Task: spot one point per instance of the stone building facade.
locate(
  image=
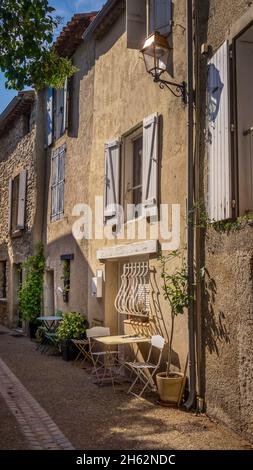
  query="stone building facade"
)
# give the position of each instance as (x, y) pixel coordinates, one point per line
(21, 170)
(224, 172)
(69, 121)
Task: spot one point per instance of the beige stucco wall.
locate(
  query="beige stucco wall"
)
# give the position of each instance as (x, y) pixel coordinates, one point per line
(227, 321)
(124, 95)
(77, 138)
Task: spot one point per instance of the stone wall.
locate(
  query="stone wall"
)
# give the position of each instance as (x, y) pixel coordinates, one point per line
(227, 314)
(17, 153)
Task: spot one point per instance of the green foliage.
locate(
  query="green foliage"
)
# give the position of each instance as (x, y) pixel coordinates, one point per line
(30, 293)
(26, 36)
(66, 276)
(72, 326)
(175, 284)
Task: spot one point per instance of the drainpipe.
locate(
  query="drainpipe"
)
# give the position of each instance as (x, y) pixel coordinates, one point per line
(190, 225)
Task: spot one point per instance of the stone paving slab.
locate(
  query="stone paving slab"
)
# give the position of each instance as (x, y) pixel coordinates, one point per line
(93, 417)
(35, 424)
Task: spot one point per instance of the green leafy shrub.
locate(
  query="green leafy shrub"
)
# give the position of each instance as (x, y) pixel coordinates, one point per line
(73, 326)
(31, 291)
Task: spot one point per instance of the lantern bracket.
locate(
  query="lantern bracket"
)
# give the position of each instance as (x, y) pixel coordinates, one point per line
(180, 88)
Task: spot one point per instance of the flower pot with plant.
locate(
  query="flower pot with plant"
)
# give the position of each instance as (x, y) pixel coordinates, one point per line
(73, 326)
(175, 291)
(31, 290)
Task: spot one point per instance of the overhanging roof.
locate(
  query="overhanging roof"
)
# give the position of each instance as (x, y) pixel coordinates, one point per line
(21, 104)
(71, 36)
(105, 18)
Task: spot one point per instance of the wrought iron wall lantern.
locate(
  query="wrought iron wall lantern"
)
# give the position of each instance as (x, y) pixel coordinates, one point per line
(156, 53)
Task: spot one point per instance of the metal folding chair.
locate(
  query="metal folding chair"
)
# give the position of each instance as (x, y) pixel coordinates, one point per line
(145, 371)
(103, 361)
(83, 347)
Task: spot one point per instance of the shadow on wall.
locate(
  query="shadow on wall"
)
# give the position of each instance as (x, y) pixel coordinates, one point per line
(80, 273)
(214, 326)
(159, 325)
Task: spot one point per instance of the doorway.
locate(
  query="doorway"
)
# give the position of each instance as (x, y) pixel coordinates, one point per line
(49, 305)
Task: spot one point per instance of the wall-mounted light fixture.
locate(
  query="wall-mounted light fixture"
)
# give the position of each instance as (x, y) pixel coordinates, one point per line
(156, 53)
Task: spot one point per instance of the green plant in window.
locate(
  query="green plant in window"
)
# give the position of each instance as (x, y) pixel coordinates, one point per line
(66, 279)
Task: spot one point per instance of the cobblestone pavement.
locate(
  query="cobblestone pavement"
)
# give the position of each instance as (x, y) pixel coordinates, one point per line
(36, 425)
(49, 396)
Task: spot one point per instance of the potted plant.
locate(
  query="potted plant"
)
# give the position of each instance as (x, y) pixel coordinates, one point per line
(31, 290)
(175, 290)
(73, 326)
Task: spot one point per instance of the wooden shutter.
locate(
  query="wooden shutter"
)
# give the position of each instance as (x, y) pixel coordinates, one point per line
(65, 106)
(112, 181)
(160, 15)
(10, 205)
(219, 169)
(150, 164)
(49, 116)
(136, 23)
(21, 200)
(54, 202)
(60, 186)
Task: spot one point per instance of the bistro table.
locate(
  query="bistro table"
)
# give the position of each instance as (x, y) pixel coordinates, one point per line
(49, 322)
(118, 340)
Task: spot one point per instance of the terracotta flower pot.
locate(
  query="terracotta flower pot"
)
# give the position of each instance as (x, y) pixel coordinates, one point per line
(169, 388)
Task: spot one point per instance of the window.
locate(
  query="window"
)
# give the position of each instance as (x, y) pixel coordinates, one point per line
(56, 113)
(139, 26)
(230, 125)
(133, 298)
(159, 16)
(132, 160)
(17, 202)
(57, 186)
(3, 279)
(244, 125)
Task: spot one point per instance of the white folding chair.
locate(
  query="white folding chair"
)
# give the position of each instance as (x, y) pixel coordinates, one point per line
(145, 371)
(103, 361)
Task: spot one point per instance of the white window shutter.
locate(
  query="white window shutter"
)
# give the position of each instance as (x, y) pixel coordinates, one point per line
(150, 164)
(136, 23)
(49, 116)
(219, 156)
(65, 106)
(21, 200)
(112, 181)
(160, 15)
(10, 205)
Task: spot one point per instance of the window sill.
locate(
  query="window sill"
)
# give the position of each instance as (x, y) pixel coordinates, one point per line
(17, 233)
(57, 218)
(3, 300)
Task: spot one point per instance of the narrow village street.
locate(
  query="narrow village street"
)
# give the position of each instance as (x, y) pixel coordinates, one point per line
(48, 403)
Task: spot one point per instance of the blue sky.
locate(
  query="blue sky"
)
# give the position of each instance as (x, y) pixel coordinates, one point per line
(65, 9)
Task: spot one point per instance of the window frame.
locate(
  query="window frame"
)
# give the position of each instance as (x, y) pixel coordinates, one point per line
(127, 170)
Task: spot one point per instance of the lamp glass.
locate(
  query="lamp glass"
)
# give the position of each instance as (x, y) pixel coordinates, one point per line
(156, 53)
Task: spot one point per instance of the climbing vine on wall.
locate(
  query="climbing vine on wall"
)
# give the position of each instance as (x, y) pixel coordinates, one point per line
(31, 291)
